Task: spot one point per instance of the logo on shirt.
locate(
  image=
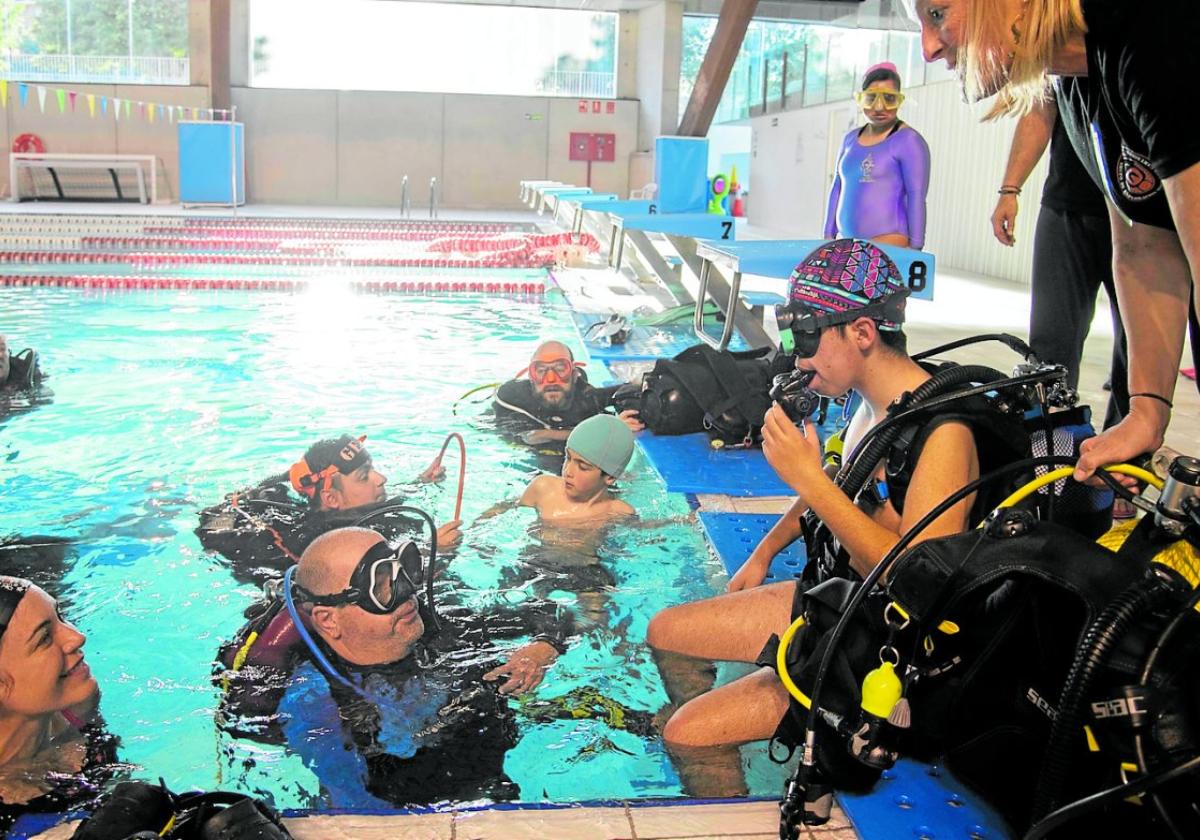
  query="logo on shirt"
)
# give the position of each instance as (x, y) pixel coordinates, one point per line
(1135, 177)
(867, 167)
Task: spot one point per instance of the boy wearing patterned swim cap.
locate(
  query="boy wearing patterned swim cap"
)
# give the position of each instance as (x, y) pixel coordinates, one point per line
(845, 309)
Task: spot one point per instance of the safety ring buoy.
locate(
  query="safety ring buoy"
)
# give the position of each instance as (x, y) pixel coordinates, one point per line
(28, 144)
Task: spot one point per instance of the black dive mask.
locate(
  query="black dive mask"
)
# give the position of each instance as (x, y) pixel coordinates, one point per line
(791, 391)
(384, 578)
(807, 323)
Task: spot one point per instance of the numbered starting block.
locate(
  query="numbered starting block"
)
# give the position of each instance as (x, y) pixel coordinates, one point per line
(776, 259)
(696, 225)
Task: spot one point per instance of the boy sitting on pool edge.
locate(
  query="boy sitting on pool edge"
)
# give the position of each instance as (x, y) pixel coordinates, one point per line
(597, 452)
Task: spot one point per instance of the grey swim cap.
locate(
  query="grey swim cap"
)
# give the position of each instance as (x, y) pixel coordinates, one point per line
(604, 441)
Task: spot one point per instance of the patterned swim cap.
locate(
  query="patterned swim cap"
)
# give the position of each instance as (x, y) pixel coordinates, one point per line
(849, 274)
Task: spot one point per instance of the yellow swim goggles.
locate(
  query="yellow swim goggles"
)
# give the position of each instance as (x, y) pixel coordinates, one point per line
(874, 98)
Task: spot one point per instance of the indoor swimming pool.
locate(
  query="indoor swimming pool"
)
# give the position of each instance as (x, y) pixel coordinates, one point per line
(163, 401)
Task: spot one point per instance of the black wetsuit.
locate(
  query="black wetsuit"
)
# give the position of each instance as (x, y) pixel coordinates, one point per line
(519, 410)
(78, 790)
(22, 391)
(263, 530)
(425, 729)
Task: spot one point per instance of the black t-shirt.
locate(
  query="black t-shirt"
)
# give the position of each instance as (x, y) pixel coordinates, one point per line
(1126, 120)
(518, 408)
(1069, 188)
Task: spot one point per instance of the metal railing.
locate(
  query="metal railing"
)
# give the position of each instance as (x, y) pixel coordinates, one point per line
(405, 201)
(95, 68)
(434, 197)
(583, 83)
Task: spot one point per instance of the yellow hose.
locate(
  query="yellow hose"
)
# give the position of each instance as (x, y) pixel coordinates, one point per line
(781, 664)
(1065, 472)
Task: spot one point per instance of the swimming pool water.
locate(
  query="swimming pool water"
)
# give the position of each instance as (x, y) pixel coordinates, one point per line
(164, 401)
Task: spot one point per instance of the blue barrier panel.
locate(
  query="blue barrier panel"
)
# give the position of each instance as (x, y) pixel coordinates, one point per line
(681, 172)
(689, 464)
(778, 257)
(734, 535)
(209, 158)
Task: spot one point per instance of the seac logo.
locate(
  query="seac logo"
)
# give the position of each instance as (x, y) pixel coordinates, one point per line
(1135, 177)
(1041, 704)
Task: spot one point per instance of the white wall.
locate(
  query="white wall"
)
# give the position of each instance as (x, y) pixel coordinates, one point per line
(792, 160)
(355, 147)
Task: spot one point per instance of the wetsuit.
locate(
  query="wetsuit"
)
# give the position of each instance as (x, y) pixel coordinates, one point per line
(261, 531)
(23, 371)
(1125, 119)
(424, 729)
(518, 408)
(880, 189)
(75, 791)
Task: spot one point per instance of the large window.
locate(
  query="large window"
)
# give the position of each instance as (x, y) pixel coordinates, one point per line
(445, 47)
(786, 64)
(116, 41)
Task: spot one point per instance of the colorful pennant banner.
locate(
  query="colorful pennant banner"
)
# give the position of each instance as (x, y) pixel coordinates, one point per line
(150, 111)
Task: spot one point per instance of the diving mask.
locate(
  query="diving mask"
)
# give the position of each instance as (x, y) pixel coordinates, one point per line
(888, 100)
(384, 578)
(561, 368)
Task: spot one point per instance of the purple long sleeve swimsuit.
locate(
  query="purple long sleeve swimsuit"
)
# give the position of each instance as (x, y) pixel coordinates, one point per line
(880, 189)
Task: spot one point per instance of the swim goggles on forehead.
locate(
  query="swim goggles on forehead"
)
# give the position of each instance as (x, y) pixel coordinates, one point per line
(561, 368)
(889, 99)
(807, 323)
(384, 578)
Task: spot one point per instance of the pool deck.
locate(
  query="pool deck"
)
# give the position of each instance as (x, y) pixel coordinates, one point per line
(744, 821)
(966, 305)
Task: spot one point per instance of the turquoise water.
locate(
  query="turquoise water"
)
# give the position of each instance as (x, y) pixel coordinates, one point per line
(165, 401)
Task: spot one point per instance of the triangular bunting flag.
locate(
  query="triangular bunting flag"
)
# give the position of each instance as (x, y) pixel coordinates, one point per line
(104, 105)
(71, 98)
(171, 113)
(91, 98)
(116, 109)
(150, 113)
(3, 93)
(142, 110)
(128, 108)
(41, 92)
(22, 92)
(61, 96)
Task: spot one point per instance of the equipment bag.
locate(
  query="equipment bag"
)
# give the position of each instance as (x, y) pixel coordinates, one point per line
(707, 390)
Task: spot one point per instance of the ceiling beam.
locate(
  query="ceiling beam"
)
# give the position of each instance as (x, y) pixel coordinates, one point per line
(714, 70)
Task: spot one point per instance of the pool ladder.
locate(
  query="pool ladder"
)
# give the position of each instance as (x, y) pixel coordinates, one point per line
(433, 197)
(405, 200)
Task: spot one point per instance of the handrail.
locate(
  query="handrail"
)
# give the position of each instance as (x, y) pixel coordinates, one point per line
(405, 201)
(433, 197)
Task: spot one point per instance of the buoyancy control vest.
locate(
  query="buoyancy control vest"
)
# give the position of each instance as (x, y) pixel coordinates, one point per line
(518, 408)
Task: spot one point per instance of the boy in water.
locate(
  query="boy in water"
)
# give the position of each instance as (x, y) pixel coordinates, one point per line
(598, 451)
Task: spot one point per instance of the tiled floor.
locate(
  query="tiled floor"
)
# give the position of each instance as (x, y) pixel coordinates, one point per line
(743, 821)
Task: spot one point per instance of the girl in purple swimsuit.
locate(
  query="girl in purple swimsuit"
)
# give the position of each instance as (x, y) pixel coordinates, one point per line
(882, 173)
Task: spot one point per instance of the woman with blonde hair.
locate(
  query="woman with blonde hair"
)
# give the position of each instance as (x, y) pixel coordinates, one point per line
(52, 751)
(1117, 67)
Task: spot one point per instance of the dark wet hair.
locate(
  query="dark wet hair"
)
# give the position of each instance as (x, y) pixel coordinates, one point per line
(12, 590)
(880, 73)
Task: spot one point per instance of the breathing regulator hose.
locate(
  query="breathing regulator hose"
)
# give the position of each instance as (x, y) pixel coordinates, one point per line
(436, 465)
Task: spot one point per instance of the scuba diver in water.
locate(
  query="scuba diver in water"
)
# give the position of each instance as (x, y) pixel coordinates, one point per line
(20, 381)
(421, 693)
(846, 306)
(264, 530)
(554, 398)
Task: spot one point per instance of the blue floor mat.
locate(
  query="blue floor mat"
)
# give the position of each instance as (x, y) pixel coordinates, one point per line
(921, 801)
(734, 535)
(688, 464)
(644, 343)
